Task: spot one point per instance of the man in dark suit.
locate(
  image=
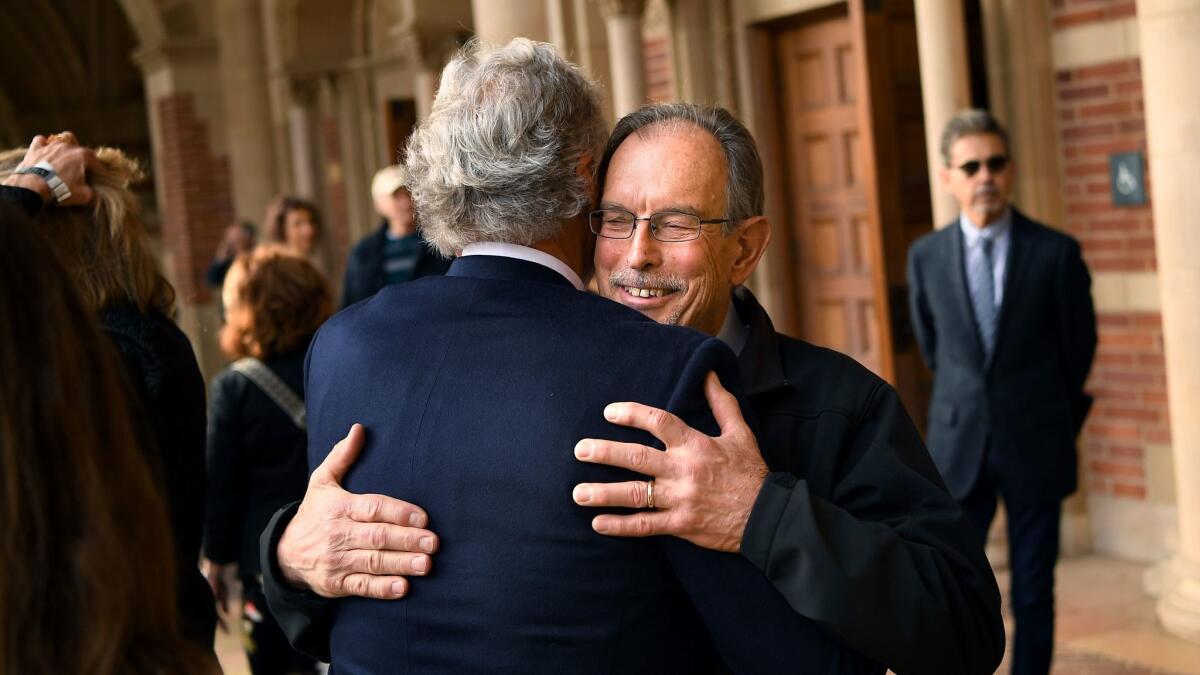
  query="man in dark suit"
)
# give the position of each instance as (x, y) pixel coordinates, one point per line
(1003, 313)
(853, 526)
(394, 252)
(474, 385)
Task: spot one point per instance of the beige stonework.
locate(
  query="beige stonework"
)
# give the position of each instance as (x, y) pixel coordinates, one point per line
(1126, 292)
(623, 24)
(1132, 529)
(1096, 43)
(1168, 30)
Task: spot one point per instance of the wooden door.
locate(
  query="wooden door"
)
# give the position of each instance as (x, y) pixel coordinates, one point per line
(836, 235)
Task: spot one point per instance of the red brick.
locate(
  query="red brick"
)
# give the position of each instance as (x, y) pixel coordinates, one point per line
(1160, 436)
(1129, 88)
(1132, 127)
(1091, 91)
(1116, 431)
(1111, 147)
(1105, 109)
(1116, 469)
(1078, 18)
(1113, 394)
(1098, 486)
(1086, 169)
(1130, 491)
(1105, 71)
(1088, 131)
(1139, 414)
(1126, 451)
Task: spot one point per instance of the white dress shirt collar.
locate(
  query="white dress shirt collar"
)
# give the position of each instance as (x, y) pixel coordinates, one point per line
(505, 250)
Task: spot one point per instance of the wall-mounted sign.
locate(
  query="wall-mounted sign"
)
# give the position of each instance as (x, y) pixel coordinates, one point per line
(1127, 171)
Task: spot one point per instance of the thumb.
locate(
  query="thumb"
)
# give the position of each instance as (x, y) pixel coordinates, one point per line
(725, 408)
(342, 457)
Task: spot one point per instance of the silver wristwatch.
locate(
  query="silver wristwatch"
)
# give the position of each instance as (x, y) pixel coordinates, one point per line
(47, 173)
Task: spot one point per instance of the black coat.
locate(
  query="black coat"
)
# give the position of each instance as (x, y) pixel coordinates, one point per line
(854, 526)
(257, 461)
(162, 369)
(1023, 409)
(364, 270)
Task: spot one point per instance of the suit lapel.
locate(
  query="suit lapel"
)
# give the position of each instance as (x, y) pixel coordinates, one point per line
(958, 281)
(1014, 267)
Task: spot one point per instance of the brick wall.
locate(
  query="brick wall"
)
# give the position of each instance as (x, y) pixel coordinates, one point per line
(1100, 112)
(659, 80)
(197, 200)
(337, 220)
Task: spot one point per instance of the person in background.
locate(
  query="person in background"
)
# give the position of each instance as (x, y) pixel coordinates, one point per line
(296, 223)
(1002, 309)
(85, 542)
(239, 238)
(105, 248)
(274, 303)
(394, 253)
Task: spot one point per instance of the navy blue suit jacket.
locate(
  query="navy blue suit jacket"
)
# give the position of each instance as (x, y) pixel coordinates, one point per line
(475, 388)
(1021, 410)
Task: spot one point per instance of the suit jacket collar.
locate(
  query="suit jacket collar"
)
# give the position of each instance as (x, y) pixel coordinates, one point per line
(759, 360)
(505, 269)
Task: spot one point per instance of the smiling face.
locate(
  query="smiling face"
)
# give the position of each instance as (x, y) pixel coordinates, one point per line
(984, 195)
(688, 283)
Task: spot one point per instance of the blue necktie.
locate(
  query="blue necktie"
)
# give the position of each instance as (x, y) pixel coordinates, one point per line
(983, 294)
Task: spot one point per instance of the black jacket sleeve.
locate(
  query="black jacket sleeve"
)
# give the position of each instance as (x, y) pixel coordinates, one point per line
(887, 564)
(304, 616)
(227, 488)
(1077, 327)
(28, 200)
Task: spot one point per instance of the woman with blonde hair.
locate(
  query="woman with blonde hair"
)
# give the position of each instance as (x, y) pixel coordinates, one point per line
(88, 570)
(257, 443)
(106, 251)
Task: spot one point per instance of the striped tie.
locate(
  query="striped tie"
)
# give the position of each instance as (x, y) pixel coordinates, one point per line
(983, 294)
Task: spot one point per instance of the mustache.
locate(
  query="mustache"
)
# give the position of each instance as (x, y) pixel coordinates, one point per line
(628, 277)
(986, 190)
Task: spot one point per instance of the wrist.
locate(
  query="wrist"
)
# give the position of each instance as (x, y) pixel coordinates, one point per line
(291, 574)
(30, 182)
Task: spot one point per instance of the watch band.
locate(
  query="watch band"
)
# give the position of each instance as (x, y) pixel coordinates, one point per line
(47, 173)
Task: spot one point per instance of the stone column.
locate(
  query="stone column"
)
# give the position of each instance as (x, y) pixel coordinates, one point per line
(1168, 30)
(623, 22)
(499, 21)
(302, 136)
(247, 107)
(945, 86)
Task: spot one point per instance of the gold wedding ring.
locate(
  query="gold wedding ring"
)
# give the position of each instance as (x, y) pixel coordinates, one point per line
(650, 494)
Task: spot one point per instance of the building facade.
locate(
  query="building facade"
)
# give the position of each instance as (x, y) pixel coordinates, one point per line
(233, 101)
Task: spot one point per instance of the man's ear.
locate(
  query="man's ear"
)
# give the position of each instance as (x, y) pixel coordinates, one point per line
(750, 239)
(944, 177)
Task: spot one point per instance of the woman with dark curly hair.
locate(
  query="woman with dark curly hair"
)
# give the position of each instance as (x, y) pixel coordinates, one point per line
(85, 543)
(296, 223)
(257, 460)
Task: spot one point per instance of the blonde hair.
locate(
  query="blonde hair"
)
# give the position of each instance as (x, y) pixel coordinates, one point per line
(104, 245)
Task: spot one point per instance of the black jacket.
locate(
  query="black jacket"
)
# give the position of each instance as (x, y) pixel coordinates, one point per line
(1024, 408)
(162, 369)
(364, 270)
(854, 526)
(257, 461)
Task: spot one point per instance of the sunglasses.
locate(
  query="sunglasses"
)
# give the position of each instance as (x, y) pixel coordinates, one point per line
(994, 164)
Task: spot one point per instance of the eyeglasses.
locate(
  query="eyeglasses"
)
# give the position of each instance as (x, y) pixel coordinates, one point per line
(994, 164)
(666, 226)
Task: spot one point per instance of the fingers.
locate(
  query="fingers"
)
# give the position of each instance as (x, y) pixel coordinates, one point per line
(383, 509)
(663, 425)
(724, 405)
(376, 587)
(632, 494)
(386, 537)
(643, 524)
(341, 458)
(633, 456)
(385, 563)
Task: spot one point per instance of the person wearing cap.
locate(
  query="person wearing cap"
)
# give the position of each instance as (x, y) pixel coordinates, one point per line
(394, 253)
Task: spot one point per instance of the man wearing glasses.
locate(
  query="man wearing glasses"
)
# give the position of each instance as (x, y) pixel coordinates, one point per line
(1003, 313)
(836, 502)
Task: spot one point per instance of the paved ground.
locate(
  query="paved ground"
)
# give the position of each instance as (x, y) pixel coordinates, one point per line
(1106, 626)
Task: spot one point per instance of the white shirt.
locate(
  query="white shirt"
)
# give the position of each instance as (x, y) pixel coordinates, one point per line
(1000, 233)
(503, 250)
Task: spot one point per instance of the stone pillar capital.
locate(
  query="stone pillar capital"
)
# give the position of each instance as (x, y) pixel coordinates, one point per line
(615, 8)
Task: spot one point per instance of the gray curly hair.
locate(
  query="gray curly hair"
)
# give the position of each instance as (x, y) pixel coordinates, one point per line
(497, 158)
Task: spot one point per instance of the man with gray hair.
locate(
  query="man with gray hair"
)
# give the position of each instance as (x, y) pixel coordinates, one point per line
(1003, 314)
(472, 385)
